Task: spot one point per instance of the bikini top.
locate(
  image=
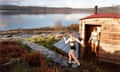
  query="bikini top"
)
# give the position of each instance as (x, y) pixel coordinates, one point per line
(72, 41)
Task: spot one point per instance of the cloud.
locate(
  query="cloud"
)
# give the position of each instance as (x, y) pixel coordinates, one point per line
(79, 3)
(10, 0)
(63, 3)
(70, 3)
(4, 2)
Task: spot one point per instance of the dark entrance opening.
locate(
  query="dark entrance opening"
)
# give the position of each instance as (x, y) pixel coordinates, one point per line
(88, 29)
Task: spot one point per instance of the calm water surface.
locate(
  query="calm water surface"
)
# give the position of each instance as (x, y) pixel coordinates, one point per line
(21, 21)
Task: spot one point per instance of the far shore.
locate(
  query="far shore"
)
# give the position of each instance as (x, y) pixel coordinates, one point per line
(37, 12)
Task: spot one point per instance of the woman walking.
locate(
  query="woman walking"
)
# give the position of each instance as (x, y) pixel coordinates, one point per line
(71, 40)
(94, 38)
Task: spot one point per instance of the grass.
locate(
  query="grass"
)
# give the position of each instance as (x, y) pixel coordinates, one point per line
(46, 41)
(20, 67)
(24, 46)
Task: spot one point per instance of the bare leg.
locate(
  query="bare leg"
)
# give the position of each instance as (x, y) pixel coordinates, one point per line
(70, 58)
(95, 49)
(75, 58)
(96, 45)
(92, 45)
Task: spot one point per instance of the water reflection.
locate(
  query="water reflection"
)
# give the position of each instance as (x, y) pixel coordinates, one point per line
(8, 22)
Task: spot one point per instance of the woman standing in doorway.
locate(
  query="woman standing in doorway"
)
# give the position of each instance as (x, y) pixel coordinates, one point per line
(94, 38)
(72, 39)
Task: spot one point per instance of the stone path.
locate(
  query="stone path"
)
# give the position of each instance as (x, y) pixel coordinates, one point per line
(48, 53)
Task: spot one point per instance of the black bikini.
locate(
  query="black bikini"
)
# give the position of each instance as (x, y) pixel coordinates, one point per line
(73, 47)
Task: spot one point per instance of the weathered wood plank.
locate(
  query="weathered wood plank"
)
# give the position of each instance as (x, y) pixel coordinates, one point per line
(110, 41)
(110, 38)
(111, 27)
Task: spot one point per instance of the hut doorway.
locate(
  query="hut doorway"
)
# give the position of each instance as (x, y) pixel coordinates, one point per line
(88, 29)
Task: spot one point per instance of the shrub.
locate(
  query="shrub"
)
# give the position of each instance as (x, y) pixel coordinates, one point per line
(24, 61)
(20, 67)
(33, 59)
(10, 50)
(46, 41)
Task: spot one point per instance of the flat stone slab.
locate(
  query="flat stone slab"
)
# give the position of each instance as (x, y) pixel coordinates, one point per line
(48, 53)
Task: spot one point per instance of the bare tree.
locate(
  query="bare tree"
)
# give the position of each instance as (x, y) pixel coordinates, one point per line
(58, 25)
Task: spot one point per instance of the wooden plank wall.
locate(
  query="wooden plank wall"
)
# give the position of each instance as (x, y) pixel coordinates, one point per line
(110, 33)
(110, 41)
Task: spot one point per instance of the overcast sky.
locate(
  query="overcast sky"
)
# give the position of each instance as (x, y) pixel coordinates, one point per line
(62, 3)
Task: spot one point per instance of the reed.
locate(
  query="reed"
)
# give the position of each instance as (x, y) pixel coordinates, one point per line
(23, 60)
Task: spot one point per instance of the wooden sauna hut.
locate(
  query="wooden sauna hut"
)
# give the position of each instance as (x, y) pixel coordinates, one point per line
(108, 25)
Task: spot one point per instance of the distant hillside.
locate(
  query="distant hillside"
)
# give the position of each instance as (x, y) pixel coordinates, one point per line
(35, 9)
(12, 9)
(112, 9)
